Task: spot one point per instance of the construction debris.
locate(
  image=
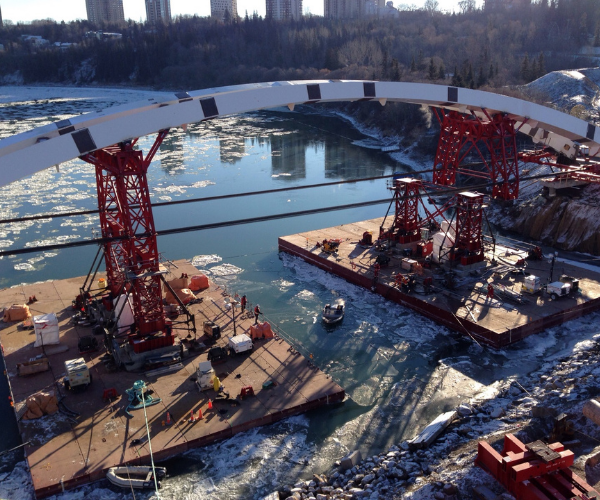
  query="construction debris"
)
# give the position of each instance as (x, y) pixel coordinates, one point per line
(433, 430)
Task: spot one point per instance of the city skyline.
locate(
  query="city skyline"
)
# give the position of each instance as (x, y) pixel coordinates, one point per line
(158, 11)
(104, 10)
(70, 10)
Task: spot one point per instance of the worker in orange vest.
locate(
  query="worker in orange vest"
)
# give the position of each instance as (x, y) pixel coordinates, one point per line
(256, 313)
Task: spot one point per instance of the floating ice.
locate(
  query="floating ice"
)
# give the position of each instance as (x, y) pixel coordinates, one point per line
(202, 184)
(205, 260)
(24, 266)
(305, 295)
(226, 270)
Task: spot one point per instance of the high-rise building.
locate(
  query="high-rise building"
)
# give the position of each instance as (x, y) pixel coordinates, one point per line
(283, 10)
(158, 11)
(110, 11)
(346, 9)
(218, 8)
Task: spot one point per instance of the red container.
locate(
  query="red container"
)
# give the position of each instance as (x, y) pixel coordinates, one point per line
(107, 302)
(149, 344)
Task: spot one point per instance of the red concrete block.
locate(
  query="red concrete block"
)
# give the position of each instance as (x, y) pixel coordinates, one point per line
(535, 468)
(511, 443)
(488, 458)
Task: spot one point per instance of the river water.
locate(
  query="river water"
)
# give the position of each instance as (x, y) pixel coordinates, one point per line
(399, 369)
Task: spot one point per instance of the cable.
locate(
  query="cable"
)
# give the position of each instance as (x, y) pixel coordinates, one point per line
(164, 232)
(208, 198)
(202, 227)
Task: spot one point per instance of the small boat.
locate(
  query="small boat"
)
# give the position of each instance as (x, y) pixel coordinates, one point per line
(135, 476)
(333, 313)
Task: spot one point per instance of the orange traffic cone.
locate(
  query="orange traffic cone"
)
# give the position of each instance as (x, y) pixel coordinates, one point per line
(210, 404)
(200, 417)
(168, 418)
(192, 418)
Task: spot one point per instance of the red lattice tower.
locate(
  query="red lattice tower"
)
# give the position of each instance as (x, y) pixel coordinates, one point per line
(132, 260)
(469, 221)
(406, 226)
(493, 139)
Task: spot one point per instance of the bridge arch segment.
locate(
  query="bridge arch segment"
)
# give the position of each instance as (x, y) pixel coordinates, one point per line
(29, 152)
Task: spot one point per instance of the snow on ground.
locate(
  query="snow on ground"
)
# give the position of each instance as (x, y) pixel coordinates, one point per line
(564, 384)
(566, 89)
(408, 156)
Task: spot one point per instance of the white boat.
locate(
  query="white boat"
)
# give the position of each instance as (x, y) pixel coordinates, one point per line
(334, 313)
(135, 476)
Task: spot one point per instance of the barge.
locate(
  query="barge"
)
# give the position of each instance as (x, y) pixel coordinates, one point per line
(482, 300)
(93, 433)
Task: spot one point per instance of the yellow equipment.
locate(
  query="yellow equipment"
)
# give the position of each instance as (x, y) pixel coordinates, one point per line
(331, 246)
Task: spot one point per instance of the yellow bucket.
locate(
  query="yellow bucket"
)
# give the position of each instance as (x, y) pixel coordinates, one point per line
(102, 283)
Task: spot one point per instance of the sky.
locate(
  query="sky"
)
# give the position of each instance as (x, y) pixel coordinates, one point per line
(69, 10)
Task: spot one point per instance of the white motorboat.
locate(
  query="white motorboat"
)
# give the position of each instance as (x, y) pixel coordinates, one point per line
(135, 476)
(333, 313)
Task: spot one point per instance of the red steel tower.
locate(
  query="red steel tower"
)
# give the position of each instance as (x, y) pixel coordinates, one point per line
(130, 252)
(405, 227)
(469, 220)
(493, 140)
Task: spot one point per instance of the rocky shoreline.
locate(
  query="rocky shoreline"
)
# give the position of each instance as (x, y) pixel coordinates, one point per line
(446, 470)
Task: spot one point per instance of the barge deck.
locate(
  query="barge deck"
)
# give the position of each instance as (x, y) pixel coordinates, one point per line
(66, 452)
(465, 307)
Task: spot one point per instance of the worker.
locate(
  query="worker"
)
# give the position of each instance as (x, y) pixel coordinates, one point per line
(376, 269)
(256, 313)
(490, 291)
(243, 302)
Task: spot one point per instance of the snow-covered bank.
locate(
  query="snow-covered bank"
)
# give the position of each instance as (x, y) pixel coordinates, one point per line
(572, 91)
(524, 407)
(408, 156)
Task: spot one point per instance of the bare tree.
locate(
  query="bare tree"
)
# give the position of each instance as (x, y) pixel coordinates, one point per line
(466, 6)
(431, 6)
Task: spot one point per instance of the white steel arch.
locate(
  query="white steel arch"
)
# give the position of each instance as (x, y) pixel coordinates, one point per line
(24, 154)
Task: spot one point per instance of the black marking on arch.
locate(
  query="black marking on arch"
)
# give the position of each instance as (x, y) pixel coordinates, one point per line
(209, 107)
(84, 141)
(183, 96)
(314, 92)
(64, 126)
(369, 89)
(453, 94)
(63, 123)
(66, 130)
(591, 132)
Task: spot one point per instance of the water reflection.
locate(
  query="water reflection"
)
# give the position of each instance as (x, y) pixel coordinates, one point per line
(232, 149)
(171, 155)
(288, 156)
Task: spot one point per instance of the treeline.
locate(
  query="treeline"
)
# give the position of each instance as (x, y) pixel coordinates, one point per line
(473, 48)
